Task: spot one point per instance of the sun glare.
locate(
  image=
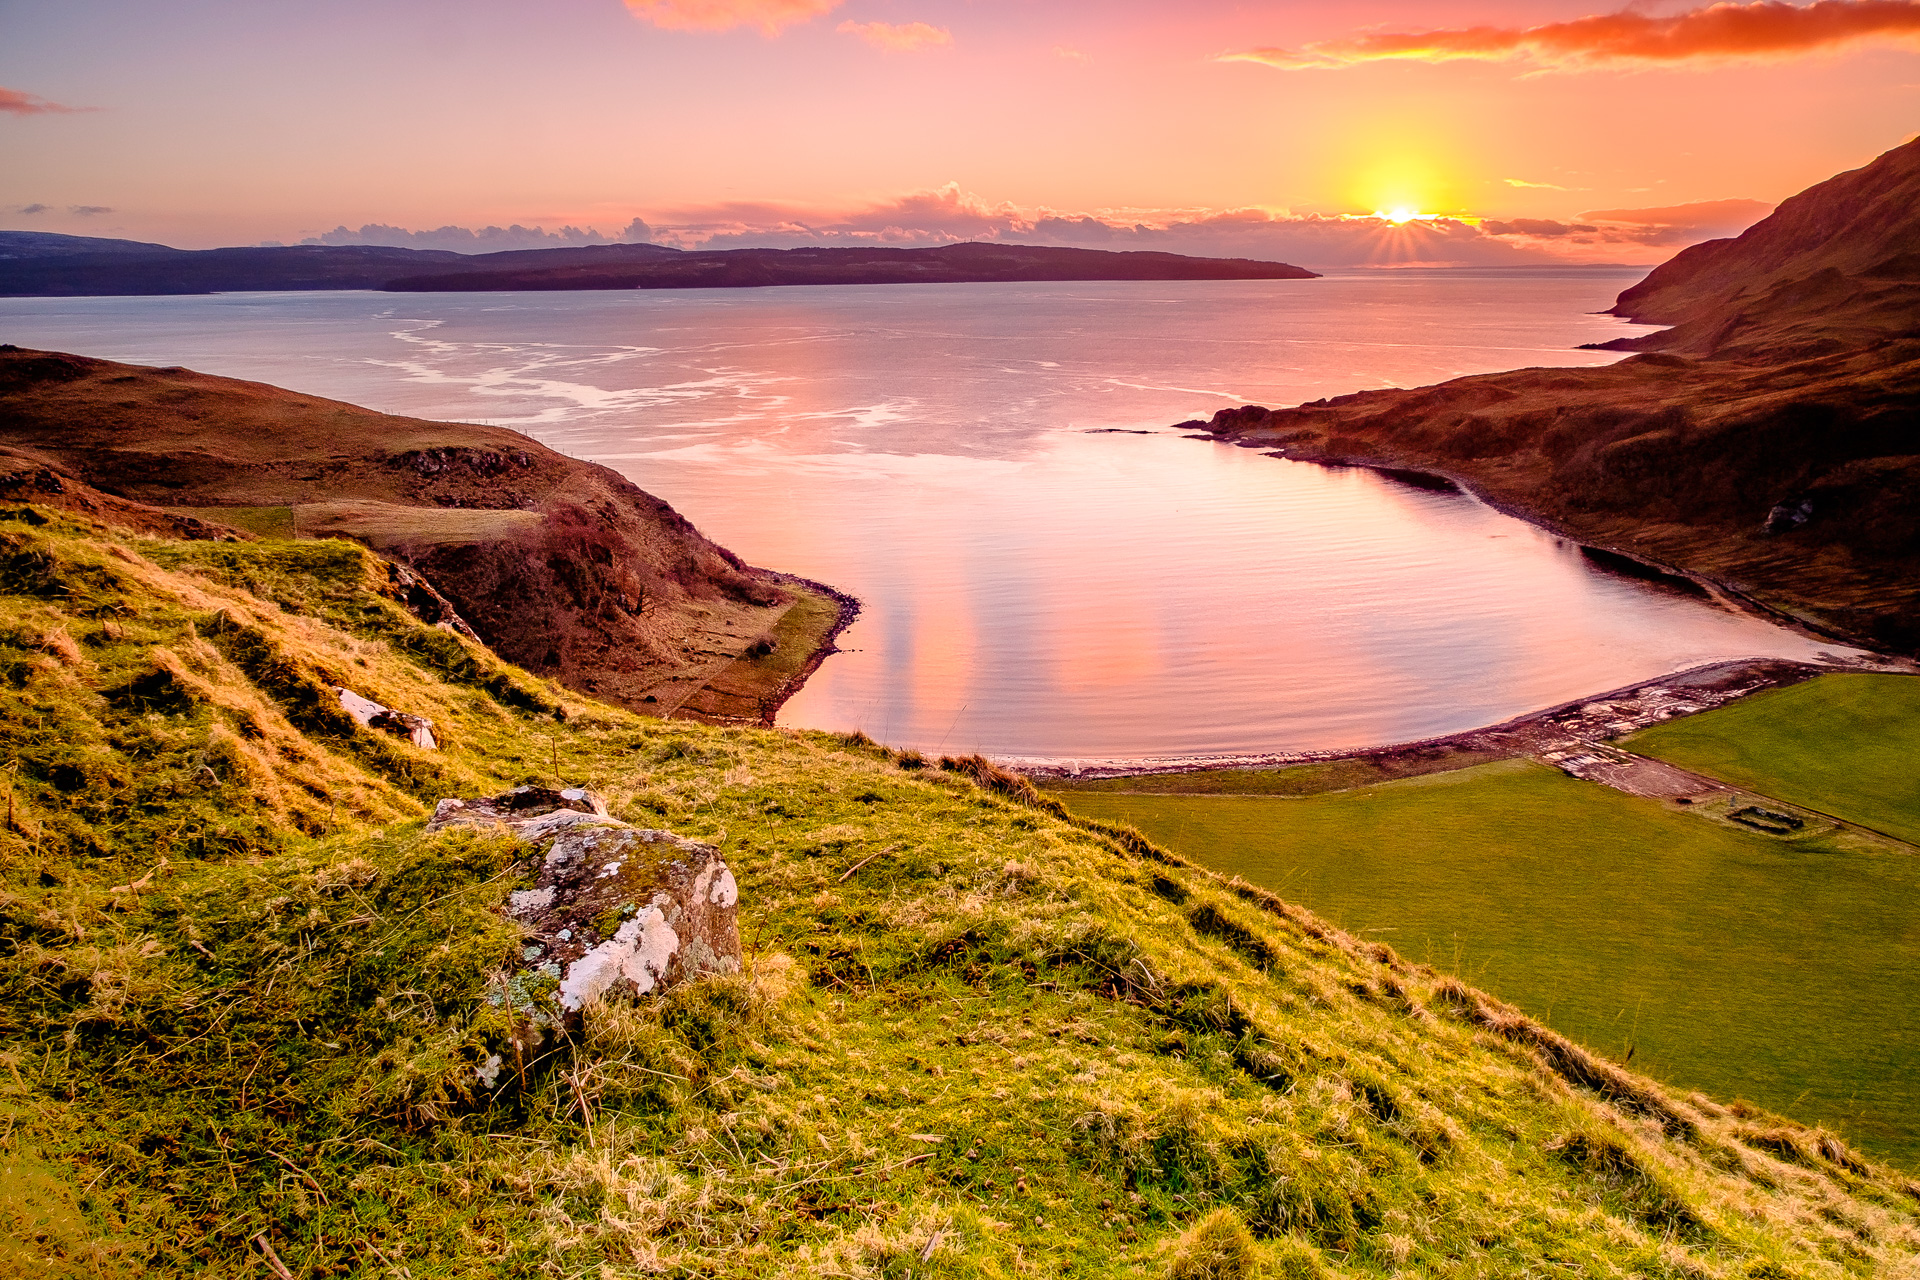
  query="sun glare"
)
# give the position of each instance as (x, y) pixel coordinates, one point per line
(1401, 215)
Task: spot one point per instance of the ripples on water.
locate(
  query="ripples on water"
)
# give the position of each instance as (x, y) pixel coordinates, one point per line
(1039, 580)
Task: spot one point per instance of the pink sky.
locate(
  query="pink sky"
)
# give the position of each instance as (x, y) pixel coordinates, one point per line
(1207, 126)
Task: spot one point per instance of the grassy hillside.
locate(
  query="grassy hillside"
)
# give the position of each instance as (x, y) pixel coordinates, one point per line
(1843, 744)
(1723, 959)
(242, 998)
(560, 565)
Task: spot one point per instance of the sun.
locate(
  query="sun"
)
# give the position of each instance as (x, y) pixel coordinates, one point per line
(1400, 216)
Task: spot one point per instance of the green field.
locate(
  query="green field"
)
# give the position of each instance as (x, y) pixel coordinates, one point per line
(1846, 745)
(1735, 963)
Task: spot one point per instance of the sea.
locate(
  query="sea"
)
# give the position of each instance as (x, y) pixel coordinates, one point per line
(1050, 567)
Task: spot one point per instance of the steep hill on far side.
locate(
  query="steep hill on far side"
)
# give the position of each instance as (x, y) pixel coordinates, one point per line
(1768, 441)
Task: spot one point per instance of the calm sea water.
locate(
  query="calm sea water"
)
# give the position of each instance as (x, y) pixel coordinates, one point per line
(1048, 570)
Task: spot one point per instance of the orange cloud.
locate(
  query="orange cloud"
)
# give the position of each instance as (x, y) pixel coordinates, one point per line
(1717, 32)
(904, 38)
(14, 102)
(723, 15)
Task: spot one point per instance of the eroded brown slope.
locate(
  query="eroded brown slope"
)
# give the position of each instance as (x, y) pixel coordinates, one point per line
(1773, 446)
(561, 566)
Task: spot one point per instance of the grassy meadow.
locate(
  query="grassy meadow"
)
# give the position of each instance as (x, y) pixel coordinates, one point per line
(1736, 963)
(1846, 745)
(243, 997)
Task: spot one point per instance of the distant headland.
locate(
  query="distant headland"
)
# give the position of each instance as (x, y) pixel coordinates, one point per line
(37, 264)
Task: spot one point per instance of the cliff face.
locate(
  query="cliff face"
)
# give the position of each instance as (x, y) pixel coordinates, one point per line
(1767, 440)
(561, 566)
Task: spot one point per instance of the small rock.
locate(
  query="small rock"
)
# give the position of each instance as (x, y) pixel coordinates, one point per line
(1789, 515)
(369, 714)
(532, 814)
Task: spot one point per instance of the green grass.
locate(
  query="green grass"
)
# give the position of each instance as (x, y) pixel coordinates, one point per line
(242, 994)
(1310, 779)
(261, 522)
(1846, 745)
(1734, 963)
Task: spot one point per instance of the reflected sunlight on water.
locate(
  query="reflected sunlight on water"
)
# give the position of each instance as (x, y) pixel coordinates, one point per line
(1038, 580)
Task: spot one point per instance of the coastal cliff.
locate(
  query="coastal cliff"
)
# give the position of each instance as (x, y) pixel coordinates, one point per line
(1767, 440)
(560, 566)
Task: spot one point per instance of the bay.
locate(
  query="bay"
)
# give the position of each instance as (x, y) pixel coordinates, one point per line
(1049, 570)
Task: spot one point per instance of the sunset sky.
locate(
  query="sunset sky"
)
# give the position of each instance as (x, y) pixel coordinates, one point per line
(1202, 126)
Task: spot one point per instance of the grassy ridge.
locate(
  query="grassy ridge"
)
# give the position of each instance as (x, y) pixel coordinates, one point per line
(242, 997)
(1724, 960)
(1843, 744)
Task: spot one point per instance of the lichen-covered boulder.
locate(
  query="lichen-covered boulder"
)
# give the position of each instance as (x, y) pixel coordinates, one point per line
(614, 910)
(628, 910)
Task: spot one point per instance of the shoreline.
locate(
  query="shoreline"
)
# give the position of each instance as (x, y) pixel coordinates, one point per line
(848, 610)
(1706, 687)
(1425, 478)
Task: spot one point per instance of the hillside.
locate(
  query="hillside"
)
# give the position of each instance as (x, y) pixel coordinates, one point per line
(250, 1006)
(561, 566)
(35, 264)
(1767, 441)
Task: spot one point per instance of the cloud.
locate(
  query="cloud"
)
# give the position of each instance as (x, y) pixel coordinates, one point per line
(17, 103)
(724, 15)
(88, 210)
(1540, 186)
(905, 38)
(1071, 55)
(1670, 227)
(949, 215)
(485, 240)
(1703, 213)
(1765, 29)
(1543, 228)
(31, 209)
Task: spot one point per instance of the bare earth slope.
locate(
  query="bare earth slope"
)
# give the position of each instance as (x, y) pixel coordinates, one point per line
(1770, 445)
(561, 566)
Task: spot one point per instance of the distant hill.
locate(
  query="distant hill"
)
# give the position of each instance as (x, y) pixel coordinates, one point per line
(51, 244)
(1768, 440)
(949, 264)
(34, 264)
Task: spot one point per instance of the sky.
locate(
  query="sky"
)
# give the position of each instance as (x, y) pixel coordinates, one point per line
(1486, 131)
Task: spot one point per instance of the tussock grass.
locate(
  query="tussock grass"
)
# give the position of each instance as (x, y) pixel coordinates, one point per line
(242, 995)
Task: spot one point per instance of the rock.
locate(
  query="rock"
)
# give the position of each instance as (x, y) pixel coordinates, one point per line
(531, 814)
(1789, 515)
(369, 714)
(614, 909)
(631, 910)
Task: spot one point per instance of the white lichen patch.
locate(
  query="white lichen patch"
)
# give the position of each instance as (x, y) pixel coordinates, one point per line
(638, 952)
(725, 891)
(488, 1072)
(527, 901)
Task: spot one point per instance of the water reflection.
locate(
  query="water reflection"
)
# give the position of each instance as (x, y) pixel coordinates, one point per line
(1037, 581)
